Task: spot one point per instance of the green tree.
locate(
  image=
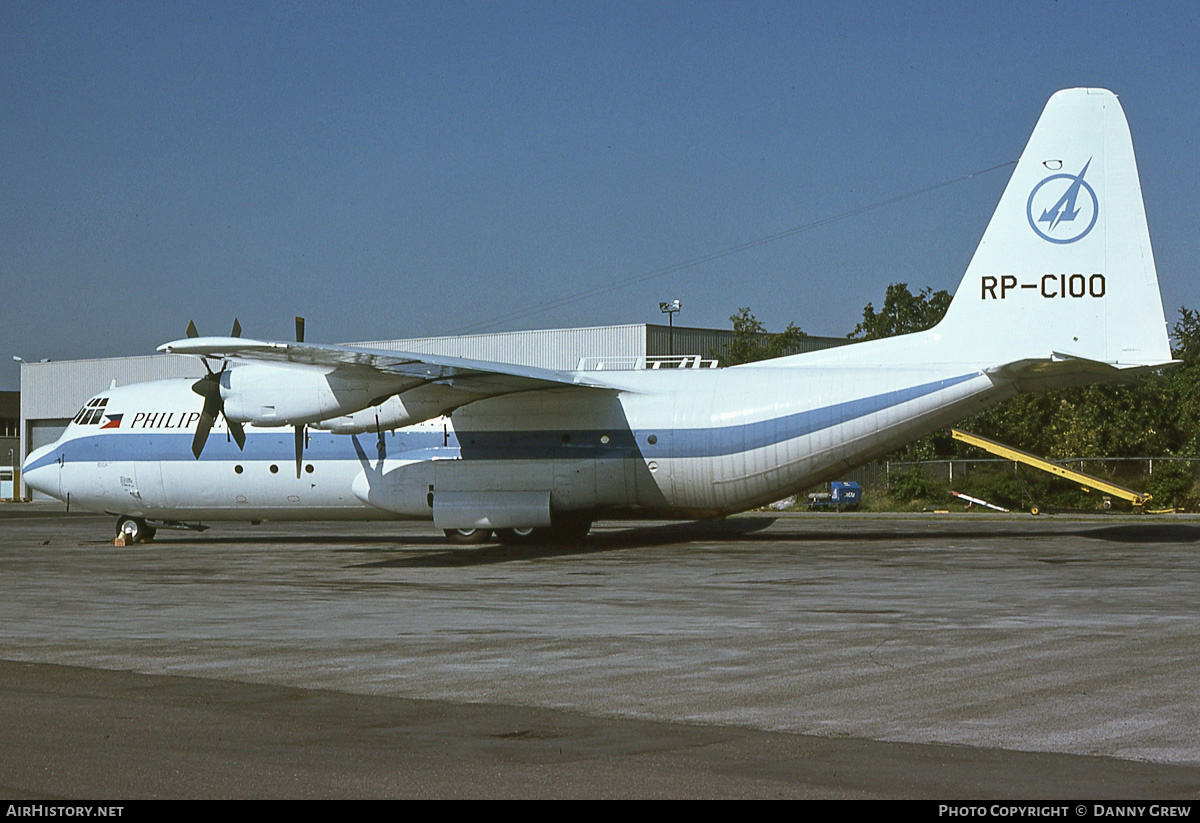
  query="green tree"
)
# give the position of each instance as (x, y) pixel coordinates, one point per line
(1185, 336)
(1159, 415)
(751, 340)
(1181, 385)
(902, 312)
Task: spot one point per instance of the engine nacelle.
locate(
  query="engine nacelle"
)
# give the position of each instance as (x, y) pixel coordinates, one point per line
(393, 413)
(289, 394)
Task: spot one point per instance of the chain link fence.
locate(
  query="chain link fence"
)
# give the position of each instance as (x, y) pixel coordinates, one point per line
(1132, 472)
(1116, 469)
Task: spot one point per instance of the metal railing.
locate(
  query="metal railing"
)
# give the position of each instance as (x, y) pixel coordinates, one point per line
(635, 363)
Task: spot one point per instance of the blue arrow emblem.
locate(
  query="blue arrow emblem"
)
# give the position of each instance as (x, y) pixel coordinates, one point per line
(1065, 209)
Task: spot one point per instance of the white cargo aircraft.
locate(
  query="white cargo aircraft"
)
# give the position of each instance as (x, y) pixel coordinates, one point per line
(1061, 291)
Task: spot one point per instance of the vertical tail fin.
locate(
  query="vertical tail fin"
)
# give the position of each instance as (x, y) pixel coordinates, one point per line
(1065, 266)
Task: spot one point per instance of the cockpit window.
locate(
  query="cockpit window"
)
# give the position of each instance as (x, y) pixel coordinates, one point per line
(92, 411)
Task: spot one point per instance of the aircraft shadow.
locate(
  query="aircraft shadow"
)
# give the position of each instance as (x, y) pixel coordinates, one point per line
(171, 538)
(1148, 533)
(596, 543)
(750, 530)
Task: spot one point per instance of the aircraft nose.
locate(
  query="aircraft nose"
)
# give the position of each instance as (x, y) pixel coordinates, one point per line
(40, 471)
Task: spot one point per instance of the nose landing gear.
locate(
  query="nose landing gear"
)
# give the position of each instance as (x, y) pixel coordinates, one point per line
(135, 530)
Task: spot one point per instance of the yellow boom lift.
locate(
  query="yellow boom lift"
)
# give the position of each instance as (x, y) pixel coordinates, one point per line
(1086, 481)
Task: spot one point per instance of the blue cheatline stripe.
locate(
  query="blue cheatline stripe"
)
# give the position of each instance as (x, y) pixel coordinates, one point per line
(279, 445)
(558, 444)
(725, 440)
(713, 441)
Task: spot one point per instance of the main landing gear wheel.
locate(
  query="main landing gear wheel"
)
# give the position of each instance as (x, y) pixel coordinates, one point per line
(135, 529)
(468, 537)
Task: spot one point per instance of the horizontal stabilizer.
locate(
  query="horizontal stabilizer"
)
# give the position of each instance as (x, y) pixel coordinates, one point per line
(1060, 370)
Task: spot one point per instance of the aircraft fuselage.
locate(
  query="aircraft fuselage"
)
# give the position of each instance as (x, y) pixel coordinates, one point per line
(664, 443)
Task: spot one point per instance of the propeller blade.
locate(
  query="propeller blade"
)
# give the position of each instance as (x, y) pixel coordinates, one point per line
(237, 329)
(299, 449)
(239, 432)
(191, 329)
(202, 429)
(207, 388)
(299, 329)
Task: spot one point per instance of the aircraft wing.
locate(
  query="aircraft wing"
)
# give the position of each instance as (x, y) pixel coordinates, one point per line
(421, 366)
(479, 378)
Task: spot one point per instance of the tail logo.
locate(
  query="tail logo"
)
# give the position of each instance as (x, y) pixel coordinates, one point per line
(1057, 213)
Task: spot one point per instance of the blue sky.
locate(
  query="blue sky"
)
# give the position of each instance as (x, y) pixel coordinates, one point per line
(407, 169)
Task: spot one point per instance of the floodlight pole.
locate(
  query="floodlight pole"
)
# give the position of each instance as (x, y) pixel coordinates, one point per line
(669, 309)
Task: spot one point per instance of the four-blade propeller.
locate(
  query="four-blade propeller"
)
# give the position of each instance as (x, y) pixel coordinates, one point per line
(209, 387)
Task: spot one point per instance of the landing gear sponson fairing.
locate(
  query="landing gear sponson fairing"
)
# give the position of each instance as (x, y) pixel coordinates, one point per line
(1062, 291)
